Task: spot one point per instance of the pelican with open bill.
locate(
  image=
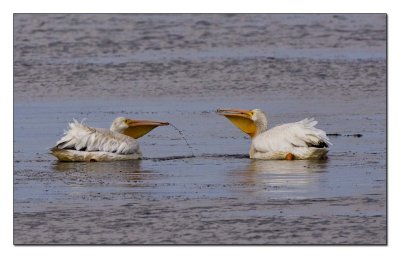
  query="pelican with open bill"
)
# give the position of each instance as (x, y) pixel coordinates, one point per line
(84, 143)
(299, 140)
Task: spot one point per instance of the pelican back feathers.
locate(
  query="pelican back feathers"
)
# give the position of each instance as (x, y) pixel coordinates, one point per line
(301, 139)
(86, 139)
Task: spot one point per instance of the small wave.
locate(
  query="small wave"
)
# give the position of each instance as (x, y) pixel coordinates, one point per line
(344, 135)
(169, 158)
(231, 156)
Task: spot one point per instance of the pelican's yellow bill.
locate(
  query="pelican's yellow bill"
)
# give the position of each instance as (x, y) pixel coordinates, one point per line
(138, 128)
(241, 119)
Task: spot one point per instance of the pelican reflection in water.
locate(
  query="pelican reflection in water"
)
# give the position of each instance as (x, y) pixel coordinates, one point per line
(279, 176)
(119, 173)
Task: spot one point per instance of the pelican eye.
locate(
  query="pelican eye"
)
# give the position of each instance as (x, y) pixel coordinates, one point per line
(126, 121)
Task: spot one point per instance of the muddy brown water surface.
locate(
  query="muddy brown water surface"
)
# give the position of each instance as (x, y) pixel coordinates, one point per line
(181, 68)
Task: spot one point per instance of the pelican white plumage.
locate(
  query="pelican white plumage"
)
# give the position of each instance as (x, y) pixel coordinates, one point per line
(299, 140)
(84, 143)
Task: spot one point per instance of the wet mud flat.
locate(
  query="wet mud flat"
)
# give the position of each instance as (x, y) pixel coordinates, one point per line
(144, 220)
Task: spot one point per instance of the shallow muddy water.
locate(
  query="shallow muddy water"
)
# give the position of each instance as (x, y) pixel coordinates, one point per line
(205, 190)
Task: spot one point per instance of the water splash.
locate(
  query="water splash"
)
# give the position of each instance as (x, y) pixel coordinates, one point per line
(184, 138)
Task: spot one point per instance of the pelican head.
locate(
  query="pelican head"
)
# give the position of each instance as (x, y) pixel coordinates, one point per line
(134, 128)
(251, 122)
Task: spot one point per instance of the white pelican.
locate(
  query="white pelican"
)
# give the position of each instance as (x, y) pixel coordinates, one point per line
(84, 143)
(299, 140)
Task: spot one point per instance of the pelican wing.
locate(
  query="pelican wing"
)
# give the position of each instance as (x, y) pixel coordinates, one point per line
(287, 136)
(85, 138)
